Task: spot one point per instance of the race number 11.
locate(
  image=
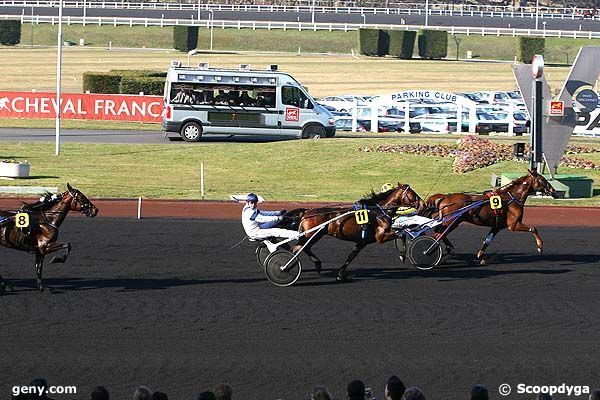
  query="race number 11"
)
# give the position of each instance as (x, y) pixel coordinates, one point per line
(495, 202)
(22, 220)
(362, 217)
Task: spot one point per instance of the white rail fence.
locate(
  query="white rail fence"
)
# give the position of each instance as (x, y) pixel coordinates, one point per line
(296, 26)
(406, 9)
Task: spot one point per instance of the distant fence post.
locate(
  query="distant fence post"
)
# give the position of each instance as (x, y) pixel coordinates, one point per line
(202, 180)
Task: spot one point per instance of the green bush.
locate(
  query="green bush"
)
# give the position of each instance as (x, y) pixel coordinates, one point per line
(528, 46)
(185, 38)
(433, 44)
(106, 83)
(402, 44)
(152, 86)
(373, 42)
(10, 32)
(139, 72)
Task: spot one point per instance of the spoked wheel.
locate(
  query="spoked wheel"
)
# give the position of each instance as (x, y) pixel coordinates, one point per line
(275, 261)
(262, 252)
(424, 252)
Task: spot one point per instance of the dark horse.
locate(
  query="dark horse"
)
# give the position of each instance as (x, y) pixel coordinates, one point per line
(40, 236)
(380, 206)
(510, 215)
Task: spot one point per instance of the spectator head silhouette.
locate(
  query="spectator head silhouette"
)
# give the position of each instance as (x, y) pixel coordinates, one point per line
(99, 393)
(595, 395)
(223, 391)
(356, 390)
(159, 396)
(142, 393)
(544, 396)
(320, 393)
(479, 392)
(39, 383)
(394, 388)
(413, 393)
(206, 396)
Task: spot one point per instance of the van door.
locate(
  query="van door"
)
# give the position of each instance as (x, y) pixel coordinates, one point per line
(296, 108)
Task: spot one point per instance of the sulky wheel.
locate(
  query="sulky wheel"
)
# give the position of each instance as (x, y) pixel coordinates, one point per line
(417, 252)
(262, 252)
(275, 261)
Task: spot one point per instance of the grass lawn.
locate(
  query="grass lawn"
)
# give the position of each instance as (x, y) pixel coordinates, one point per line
(328, 170)
(558, 50)
(322, 74)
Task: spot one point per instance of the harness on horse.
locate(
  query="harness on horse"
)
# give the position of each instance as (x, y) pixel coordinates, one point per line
(361, 213)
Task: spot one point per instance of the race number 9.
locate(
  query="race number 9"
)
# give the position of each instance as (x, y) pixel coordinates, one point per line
(495, 202)
(362, 217)
(22, 220)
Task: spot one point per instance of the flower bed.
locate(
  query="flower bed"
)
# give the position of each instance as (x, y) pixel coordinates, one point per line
(471, 153)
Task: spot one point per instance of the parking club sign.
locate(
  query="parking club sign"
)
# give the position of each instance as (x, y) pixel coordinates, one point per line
(292, 114)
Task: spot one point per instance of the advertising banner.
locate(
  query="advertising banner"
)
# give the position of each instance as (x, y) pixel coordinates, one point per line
(104, 107)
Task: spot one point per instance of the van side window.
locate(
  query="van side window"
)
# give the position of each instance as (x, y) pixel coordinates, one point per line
(292, 96)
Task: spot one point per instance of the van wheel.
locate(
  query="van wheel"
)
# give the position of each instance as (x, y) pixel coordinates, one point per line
(191, 132)
(313, 132)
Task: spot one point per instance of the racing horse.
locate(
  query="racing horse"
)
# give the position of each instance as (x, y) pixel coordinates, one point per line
(45, 217)
(509, 213)
(378, 229)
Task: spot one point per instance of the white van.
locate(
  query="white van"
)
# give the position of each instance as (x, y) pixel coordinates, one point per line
(202, 100)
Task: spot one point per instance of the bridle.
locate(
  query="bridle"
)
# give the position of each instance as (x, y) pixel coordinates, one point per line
(86, 207)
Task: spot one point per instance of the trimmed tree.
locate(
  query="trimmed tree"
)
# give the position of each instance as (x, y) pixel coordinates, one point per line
(185, 38)
(433, 44)
(10, 32)
(528, 46)
(402, 44)
(373, 42)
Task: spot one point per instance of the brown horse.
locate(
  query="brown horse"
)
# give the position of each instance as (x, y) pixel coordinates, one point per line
(509, 215)
(45, 217)
(378, 229)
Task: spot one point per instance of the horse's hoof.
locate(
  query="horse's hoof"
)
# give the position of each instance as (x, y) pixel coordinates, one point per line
(539, 250)
(56, 260)
(402, 259)
(483, 261)
(342, 278)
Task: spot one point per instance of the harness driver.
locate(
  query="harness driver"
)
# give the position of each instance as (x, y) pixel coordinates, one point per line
(260, 224)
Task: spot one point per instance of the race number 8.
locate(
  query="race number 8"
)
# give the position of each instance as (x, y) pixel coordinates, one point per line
(22, 220)
(495, 202)
(362, 217)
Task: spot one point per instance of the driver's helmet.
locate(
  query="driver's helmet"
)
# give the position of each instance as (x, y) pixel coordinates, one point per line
(386, 187)
(252, 198)
(406, 211)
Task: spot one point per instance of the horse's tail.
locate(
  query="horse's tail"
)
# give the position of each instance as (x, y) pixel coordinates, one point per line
(432, 205)
(291, 219)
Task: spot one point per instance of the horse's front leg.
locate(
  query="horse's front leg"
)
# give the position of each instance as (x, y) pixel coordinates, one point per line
(51, 248)
(521, 227)
(488, 240)
(39, 269)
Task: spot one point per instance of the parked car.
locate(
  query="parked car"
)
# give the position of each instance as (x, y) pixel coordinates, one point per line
(433, 122)
(341, 103)
(384, 125)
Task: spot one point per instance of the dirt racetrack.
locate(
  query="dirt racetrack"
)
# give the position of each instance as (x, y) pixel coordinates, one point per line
(170, 304)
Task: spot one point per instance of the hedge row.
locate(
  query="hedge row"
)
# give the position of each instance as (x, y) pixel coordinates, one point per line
(149, 82)
(185, 38)
(401, 44)
(528, 46)
(10, 32)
